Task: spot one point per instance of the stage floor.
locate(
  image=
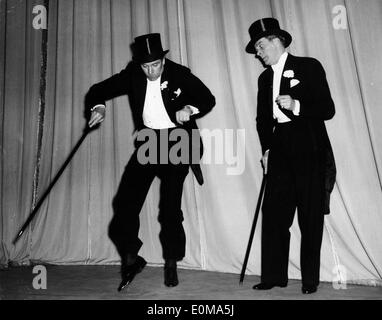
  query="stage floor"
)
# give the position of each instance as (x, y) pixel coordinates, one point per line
(100, 282)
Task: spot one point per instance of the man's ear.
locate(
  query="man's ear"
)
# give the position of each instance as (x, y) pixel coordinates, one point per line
(276, 41)
(279, 42)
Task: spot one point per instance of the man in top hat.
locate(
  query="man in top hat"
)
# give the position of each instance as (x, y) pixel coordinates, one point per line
(165, 99)
(292, 104)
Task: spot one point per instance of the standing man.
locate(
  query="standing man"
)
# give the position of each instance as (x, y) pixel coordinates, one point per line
(164, 97)
(292, 104)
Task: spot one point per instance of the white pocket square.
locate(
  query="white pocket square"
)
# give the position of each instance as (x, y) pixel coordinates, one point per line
(294, 82)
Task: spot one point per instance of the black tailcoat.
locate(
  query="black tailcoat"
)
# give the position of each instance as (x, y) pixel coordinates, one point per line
(316, 106)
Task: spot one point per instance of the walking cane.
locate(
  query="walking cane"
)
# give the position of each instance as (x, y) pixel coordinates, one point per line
(263, 182)
(47, 191)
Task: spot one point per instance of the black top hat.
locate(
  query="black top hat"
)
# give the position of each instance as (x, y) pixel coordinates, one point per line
(148, 48)
(263, 28)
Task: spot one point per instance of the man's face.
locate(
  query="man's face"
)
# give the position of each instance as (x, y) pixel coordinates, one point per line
(268, 51)
(153, 70)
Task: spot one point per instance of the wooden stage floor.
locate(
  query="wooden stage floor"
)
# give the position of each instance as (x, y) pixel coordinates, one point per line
(100, 283)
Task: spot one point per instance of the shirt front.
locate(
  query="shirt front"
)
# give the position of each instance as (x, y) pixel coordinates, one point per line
(155, 115)
(277, 73)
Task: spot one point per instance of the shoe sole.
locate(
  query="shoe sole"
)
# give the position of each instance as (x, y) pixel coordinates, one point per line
(171, 285)
(274, 286)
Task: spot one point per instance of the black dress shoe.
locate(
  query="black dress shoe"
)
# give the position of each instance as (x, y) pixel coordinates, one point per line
(170, 274)
(128, 272)
(267, 286)
(308, 289)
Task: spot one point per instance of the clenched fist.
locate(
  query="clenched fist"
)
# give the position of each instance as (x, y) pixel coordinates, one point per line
(286, 102)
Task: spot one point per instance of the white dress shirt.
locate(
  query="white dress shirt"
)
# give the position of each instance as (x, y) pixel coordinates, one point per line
(277, 74)
(155, 115)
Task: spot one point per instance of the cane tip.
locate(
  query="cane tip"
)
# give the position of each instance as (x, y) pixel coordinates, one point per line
(17, 237)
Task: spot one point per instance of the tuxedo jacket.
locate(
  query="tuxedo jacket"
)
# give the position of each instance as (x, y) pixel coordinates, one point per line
(179, 87)
(304, 79)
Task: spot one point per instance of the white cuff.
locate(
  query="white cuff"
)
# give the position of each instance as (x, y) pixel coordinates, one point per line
(98, 106)
(296, 110)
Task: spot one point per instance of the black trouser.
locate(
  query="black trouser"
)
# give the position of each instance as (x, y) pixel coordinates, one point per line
(295, 180)
(128, 202)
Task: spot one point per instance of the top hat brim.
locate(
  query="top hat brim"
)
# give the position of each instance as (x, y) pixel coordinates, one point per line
(150, 57)
(250, 48)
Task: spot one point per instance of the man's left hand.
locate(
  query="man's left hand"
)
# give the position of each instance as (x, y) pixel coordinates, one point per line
(286, 102)
(183, 115)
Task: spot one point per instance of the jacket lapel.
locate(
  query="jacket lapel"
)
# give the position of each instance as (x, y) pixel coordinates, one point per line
(165, 91)
(140, 85)
(285, 82)
(269, 85)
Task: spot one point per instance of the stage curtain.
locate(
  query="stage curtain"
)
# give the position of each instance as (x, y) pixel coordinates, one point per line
(87, 41)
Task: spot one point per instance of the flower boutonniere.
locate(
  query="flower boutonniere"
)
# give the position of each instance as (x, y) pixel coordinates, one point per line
(176, 94)
(163, 85)
(288, 74)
